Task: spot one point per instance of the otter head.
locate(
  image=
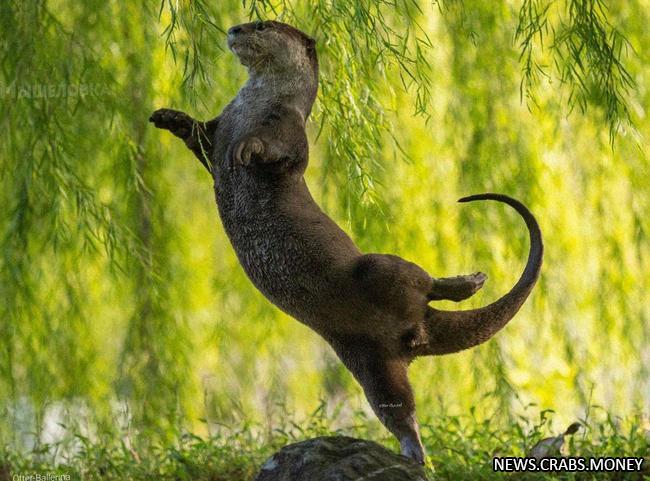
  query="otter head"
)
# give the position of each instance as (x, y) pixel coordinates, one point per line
(273, 47)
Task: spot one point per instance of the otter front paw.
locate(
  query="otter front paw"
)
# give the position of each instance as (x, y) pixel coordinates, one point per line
(177, 122)
(245, 150)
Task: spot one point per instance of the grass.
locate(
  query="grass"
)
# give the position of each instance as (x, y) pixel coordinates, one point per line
(460, 448)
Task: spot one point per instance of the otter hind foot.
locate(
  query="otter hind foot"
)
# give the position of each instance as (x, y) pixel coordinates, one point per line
(412, 448)
(456, 288)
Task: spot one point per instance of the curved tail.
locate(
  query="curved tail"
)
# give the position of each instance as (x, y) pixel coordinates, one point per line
(453, 331)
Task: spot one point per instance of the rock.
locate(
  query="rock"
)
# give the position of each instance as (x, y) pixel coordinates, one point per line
(339, 458)
(552, 446)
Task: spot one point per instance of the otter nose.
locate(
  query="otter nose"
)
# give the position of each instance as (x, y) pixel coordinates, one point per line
(234, 30)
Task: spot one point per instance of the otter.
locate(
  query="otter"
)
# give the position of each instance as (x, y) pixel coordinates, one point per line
(373, 309)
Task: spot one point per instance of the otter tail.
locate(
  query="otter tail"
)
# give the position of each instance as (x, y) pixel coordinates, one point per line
(453, 331)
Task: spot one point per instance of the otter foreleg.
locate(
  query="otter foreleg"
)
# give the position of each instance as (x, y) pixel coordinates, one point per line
(280, 146)
(197, 135)
(269, 152)
(387, 388)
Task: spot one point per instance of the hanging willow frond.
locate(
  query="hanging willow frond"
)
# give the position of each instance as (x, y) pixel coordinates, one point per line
(588, 55)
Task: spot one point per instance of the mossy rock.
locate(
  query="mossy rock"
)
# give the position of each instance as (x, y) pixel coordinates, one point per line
(339, 458)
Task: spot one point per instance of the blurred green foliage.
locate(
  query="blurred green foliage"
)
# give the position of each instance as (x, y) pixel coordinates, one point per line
(461, 448)
(122, 305)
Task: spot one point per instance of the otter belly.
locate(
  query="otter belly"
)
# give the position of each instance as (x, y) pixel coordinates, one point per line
(275, 258)
(291, 251)
(279, 265)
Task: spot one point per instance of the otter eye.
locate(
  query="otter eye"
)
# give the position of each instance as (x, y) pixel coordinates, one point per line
(259, 26)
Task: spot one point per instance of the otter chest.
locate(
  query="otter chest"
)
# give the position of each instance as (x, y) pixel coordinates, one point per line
(272, 256)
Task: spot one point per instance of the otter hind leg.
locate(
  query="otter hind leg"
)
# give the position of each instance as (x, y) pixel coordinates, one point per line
(390, 395)
(388, 390)
(456, 288)
(196, 135)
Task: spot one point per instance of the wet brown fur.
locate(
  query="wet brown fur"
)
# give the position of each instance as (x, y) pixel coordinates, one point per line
(371, 308)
